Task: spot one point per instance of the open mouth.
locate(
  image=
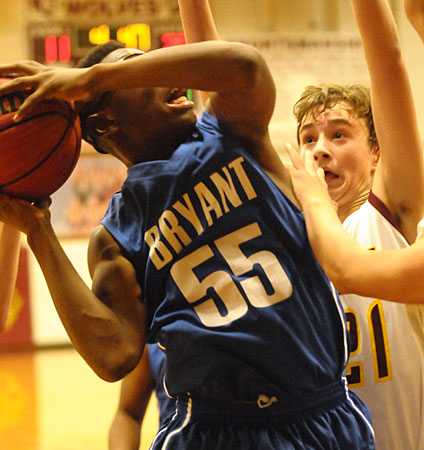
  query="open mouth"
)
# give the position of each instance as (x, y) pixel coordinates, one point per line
(178, 99)
(330, 176)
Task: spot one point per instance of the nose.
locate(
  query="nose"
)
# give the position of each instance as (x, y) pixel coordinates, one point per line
(321, 150)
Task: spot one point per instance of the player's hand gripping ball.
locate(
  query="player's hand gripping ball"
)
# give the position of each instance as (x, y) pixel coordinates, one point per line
(38, 153)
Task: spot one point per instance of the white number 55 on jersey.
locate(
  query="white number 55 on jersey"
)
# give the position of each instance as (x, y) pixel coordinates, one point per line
(222, 283)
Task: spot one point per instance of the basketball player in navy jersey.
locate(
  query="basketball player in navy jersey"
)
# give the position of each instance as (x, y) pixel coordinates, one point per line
(202, 251)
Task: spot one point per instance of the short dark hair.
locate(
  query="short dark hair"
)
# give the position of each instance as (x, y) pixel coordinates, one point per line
(95, 56)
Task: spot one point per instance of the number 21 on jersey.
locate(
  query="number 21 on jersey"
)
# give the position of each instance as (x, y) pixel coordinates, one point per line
(379, 346)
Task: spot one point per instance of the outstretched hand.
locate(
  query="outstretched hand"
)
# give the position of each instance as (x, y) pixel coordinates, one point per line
(308, 181)
(23, 215)
(45, 82)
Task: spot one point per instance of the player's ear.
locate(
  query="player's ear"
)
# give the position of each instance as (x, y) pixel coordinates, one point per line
(100, 125)
(375, 157)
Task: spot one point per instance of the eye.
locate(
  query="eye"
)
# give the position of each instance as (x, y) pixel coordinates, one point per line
(308, 140)
(338, 135)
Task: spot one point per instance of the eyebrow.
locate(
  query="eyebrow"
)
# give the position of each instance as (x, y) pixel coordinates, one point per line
(338, 121)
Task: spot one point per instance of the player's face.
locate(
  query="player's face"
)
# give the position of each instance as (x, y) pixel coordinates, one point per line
(339, 144)
(151, 121)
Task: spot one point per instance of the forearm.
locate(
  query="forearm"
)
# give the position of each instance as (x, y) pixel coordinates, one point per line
(209, 66)
(368, 14)
(96, 332)
(390, 86)
(9, 257)
(124, 433)
(197, 20)
(394, 275)
(198, 25)
(334, 249)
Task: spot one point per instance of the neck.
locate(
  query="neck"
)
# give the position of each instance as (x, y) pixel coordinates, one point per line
(346, 210)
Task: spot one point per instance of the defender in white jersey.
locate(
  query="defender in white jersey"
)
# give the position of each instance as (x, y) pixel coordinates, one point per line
(415, 312)
(336, 124)
(383, 354)
(414, 10)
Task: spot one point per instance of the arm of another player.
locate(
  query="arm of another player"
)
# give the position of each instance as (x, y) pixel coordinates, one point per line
(10, 239)
(106, 327)
(198, 25)
(401, 153)
(136, 389)
(414, 10)
(395, 275)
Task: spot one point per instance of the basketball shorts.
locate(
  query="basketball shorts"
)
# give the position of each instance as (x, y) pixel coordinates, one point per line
(331, 418)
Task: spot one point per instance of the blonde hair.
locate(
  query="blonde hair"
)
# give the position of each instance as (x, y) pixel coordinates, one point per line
(317, 99)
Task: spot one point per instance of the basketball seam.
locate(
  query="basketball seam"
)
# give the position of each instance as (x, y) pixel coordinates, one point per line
(40, 163)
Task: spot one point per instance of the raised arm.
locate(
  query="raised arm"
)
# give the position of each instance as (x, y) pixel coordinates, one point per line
(105, 326)
(10, 239)
(198, 25)
(237, 74)
(197, 20)
(414, 10)
(401, 158)
(395, 275)
(136, 389)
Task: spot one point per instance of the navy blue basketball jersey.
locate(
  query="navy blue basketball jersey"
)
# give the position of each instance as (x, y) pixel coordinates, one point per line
(233, 291)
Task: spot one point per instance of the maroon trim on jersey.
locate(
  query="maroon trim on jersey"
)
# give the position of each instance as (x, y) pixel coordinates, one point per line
(384, 211)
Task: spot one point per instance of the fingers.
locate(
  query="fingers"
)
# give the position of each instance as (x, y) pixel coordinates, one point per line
(23, 78)
(321, 174)
(28, 105)
(16, 84)
(20, 84)
(293, 155)
(309, 162)
(302, 160)
(43, 203)
(21, 214)
(21, 68)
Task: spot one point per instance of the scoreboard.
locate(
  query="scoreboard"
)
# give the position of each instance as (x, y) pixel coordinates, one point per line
(64, 43)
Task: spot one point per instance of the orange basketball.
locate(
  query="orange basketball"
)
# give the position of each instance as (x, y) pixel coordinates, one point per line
(38, 153)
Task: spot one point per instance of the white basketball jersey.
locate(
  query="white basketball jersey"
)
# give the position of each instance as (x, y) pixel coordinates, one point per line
(385, 368)
(416, 312)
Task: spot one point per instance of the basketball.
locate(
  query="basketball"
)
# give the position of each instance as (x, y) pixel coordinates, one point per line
(38, 153)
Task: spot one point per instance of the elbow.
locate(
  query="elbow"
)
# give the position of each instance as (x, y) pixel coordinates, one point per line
(115, 371)
(113, 364)
(342, 286)
(341, 279)
(251, 68)
(117, 368)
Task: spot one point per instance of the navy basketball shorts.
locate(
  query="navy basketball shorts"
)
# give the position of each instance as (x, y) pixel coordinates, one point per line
(331, 418)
